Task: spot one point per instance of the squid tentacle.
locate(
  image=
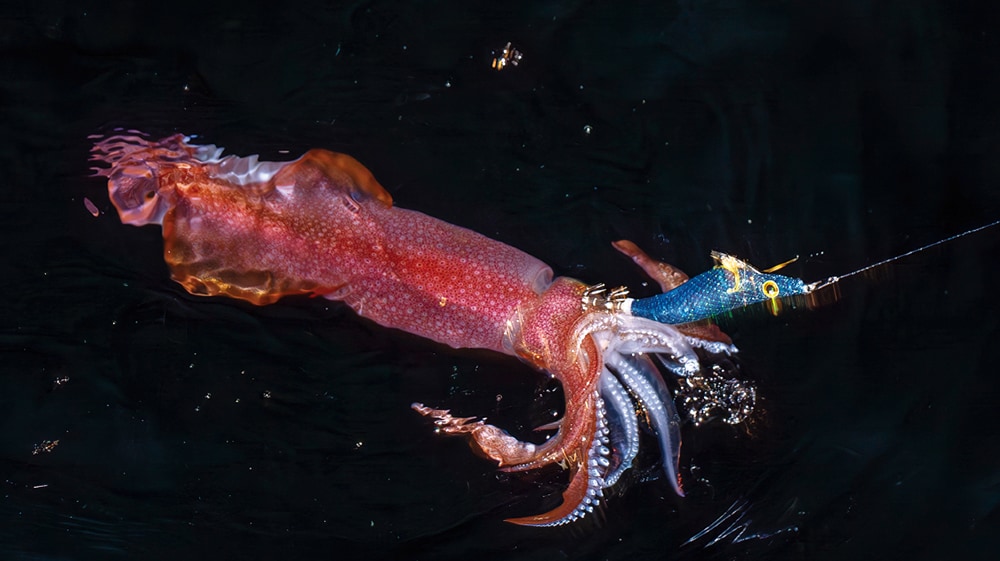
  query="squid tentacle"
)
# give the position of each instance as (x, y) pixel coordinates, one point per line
(493, 441)
(714, 347)
(579, 500)
(665, 275)
(640, 375)
(640, 335)
(623, 425)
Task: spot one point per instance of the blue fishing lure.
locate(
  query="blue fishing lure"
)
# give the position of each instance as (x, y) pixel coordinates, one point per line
(732, 284)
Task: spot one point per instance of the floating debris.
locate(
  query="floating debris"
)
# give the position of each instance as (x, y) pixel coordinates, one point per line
(510, 56)
(45, 446)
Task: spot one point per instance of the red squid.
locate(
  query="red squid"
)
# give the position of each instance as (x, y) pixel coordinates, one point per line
(323, 225)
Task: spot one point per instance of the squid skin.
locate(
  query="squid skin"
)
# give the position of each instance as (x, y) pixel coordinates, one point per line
(323, 225)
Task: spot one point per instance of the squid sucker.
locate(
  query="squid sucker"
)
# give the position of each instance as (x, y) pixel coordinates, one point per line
(323, 225)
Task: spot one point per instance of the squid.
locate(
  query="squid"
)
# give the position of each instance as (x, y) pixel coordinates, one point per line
(323, 225)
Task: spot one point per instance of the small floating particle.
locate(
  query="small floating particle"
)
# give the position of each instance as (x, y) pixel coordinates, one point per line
(91, 207)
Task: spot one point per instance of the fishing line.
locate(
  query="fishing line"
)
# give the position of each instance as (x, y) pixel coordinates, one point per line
(824, 283)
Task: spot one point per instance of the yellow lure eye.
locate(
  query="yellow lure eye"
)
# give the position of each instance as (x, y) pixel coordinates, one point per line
(770, 289)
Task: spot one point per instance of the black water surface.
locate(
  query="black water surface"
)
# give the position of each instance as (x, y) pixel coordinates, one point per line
(189, 428)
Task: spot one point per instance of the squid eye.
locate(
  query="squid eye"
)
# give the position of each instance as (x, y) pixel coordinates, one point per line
(770, 289)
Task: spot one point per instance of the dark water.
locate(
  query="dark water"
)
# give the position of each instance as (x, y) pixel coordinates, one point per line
(844, 132)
